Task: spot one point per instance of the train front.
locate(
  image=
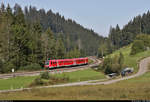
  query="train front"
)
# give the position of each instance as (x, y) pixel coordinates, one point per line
(46, 64)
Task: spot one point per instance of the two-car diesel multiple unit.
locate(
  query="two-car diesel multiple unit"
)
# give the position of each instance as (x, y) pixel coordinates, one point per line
(65, 62)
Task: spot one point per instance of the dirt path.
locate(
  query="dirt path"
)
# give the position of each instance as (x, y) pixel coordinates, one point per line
(143, 65)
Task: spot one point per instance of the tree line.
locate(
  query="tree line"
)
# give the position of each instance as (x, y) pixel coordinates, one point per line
(118, 38)
(73, 34)
(122, 37)
(25, 44)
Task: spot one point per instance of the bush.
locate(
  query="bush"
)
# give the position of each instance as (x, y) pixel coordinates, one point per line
(7, 67)
(141, 42)
(145, 38)
(45, 75)
(116, 68)
(33, 66)
(38, 81)
(112, 65)
(138, 46)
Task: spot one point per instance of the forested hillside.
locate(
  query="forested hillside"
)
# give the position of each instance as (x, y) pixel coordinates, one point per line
(139, 25)
(74, 35)
(121, 37)
(29, 37)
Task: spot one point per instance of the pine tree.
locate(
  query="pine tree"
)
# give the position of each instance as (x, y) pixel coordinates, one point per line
(48, 45)
(20, 39)
(74, 53)
(60, 49)
(35, 44)
(6, 37)
(121, 61)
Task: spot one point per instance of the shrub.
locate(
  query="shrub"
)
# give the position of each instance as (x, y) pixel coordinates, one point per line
(33, 66)
(7, 67)
(45, 75)
(138, 46)
(38, 81)
(123, 96)
(145, 38)
(116, 68)
(65, 77)
(112, 65)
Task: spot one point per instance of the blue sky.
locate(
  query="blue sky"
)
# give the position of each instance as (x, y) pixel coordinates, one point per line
(98, 15)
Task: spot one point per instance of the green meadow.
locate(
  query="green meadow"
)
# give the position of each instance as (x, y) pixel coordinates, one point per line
(22, 82)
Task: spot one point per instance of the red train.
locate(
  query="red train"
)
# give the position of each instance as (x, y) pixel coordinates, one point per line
(65, 62)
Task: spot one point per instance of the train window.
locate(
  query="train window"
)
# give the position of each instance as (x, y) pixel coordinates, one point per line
(54, 62)
(68, 61)
(80, 60)
(47, 63)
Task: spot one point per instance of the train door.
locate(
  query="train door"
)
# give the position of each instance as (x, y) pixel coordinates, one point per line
(50, 64)
(74, 61)
(87, 60)
(54, 64)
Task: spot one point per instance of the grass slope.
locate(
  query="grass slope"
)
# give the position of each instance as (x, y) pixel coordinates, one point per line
(131, 61)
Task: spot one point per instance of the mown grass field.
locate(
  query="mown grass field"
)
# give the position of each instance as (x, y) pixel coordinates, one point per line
(80, 75)
(17, 82)
(133, 89)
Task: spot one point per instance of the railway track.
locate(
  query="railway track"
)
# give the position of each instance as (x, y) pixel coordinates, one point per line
(96, 62)
(143, 68)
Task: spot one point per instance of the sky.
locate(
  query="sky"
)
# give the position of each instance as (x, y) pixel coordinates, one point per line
(98, 15)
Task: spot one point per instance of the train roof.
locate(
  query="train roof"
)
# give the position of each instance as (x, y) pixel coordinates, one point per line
(68, 59)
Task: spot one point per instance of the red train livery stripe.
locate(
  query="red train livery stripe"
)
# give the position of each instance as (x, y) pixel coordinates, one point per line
(65, 62)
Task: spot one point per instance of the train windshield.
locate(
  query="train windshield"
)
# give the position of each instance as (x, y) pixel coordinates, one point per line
(47, 63)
